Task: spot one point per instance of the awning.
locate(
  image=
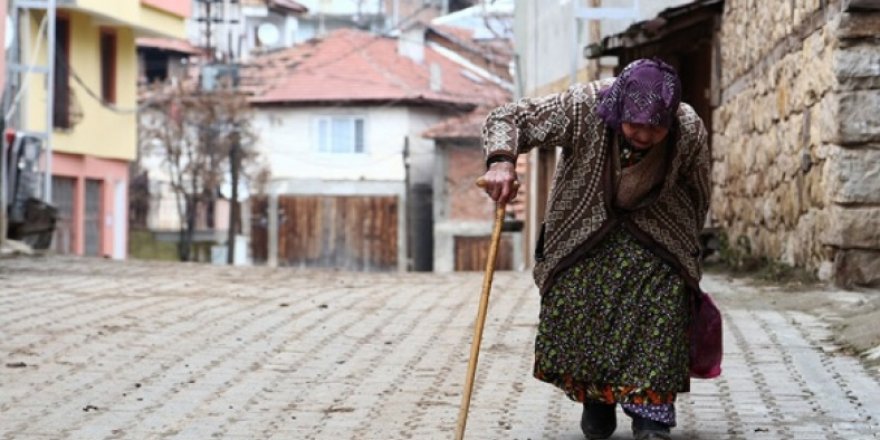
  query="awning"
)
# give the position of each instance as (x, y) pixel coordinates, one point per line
(169, 44)
(667, 22)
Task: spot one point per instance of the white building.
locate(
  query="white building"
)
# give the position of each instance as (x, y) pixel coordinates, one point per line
(340, 121)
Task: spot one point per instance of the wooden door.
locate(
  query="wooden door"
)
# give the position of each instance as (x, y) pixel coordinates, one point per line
(92, 225)
(345, 232)
(471, 253)
(63, 191)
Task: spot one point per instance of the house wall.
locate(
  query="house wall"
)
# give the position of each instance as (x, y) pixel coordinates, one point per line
(796, 136)
(288, 142)
(159, 21)
(460, 208)
(464, 164)
(181, 8)
(287, 26)
(91, 134)
(544, 38)
(342, 7)
(154, 17)
(114, 204)
(102, 140)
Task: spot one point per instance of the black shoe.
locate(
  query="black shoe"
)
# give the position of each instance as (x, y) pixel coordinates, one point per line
(599, 420)
(647, 429)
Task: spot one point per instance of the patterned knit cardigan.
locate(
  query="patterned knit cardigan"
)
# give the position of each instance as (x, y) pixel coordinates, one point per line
(580, 208)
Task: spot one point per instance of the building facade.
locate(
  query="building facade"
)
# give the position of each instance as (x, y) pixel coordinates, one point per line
(94, 129)
(342, 131)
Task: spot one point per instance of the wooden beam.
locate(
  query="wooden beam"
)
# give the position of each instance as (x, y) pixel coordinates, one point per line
(862, 5)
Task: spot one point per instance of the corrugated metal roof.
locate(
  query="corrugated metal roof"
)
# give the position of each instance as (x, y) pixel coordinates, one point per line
(648, 31)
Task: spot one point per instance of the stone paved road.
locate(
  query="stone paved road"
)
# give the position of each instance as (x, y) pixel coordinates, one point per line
(102, 350)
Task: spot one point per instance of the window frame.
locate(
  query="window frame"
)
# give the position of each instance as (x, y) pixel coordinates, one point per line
(323, 144)
(108, 63)
(61, 88)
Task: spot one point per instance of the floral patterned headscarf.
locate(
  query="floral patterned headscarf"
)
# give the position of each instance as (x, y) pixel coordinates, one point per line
(646, 92)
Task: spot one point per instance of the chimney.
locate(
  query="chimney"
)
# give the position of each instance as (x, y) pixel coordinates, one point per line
(411, 43)
(436, 78)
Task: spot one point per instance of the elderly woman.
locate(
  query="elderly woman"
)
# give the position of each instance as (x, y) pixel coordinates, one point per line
(618, 255)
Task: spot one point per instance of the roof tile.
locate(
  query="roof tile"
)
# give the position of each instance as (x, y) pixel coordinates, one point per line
(352, 65)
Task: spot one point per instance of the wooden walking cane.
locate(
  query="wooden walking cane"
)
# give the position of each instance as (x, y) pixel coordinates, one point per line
(481, 315)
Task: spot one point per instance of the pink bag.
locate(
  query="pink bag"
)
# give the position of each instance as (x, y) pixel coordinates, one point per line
(706, 342)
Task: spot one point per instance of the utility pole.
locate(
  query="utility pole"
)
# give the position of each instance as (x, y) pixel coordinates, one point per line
(273, 229)
(234, 214)
(19, 67)
(4, 185)
(226, 18)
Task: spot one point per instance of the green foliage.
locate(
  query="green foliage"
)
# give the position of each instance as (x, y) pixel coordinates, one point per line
(142, 245)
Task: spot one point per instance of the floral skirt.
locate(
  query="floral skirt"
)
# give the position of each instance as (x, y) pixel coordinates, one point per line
(613, 327)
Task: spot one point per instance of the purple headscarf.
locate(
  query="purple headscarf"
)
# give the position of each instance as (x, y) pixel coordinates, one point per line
(646, 92)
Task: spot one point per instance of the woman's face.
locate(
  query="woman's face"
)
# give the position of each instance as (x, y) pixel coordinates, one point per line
(644, 136)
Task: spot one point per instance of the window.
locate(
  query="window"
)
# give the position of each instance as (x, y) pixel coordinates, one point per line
(108, 66)
(341, 134)
(61, 107)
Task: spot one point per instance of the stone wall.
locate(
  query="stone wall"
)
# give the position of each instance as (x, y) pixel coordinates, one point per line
(796, 138)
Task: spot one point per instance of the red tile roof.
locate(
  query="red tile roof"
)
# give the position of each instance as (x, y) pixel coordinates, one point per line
(466, 126)
(355, 66)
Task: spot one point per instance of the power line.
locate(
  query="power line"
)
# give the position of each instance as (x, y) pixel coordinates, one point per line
(94, 95)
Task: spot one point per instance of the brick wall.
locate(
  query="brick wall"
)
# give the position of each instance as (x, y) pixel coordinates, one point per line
(466, 202)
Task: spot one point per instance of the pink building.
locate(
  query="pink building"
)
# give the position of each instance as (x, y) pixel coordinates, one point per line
(94, 124)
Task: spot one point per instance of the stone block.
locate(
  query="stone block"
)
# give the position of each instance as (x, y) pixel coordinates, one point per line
(853, 175)
(858, 25)
(857, 117)
(857, 67)
(851, 227)
(769, 211)
(816, 186)
(857, 268)
(789, 204)
(825, 120)
(782, 99)
(803, 241)
(793, 129)
(719, 172)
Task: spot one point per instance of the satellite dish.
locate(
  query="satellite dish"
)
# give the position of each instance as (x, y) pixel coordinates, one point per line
(268, 34)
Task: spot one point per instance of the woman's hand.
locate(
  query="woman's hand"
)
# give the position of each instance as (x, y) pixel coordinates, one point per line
(500, 181)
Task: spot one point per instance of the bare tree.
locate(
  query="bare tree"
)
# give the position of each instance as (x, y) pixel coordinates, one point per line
(200, 137)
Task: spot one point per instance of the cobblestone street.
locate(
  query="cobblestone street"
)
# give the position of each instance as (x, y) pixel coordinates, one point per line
(95, 349)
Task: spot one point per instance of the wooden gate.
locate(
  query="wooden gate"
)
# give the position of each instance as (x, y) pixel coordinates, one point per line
(471, 253)
(344, 232)
(259, 229)
(92, 224)
(63, 190)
